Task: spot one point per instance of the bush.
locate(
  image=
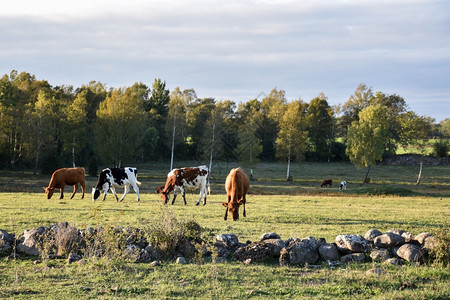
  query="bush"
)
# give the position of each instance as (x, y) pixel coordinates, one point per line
(441, 148)
(172, 236)
(440, 256)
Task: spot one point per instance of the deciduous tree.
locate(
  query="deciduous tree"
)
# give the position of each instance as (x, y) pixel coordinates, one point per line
(368, 137)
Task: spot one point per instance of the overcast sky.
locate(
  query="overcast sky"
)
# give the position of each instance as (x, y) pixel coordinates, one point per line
(234, 50)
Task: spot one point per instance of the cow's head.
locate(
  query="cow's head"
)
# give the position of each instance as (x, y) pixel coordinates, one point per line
(159, 189)
(96, 193)
(165, 196)
(233, 208)
(49, 191)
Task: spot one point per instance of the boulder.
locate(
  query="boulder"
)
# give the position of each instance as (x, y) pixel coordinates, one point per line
(329, 252)
(6, 242)
(409, 252)
(181, 260)
(259, 251)
(388, 240)
(420, 238)
(29, 243)
(230, 240)
(371, 234)
(269, 236)
(299, 252)
(353, 257)
(380, 254)
(429, 244)
(351, 243)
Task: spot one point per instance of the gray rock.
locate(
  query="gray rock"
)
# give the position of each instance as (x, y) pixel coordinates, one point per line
(155, 263)
(388, 240)
(353, 257)
(29, 243)
(420, 238)
(73, 258)
(269, 236)
(230, 240)
(409, 252)
(329, 252)
(6, 242)
(394, 261)
(371, 234)
(429, 244)
(351, 243)
(299, 252)
(181, 260)
(380, 254)
(259, 251)
(274, 246)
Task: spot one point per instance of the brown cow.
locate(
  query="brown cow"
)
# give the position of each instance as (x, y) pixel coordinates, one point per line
(66, 176)
(326, 182)
(236, 185)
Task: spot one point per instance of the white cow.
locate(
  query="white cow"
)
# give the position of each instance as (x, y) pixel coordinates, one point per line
(343, 185)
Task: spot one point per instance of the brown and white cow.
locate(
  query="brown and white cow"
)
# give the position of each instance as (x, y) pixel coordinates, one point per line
(66, 176)
(236, 185)
(180, 179)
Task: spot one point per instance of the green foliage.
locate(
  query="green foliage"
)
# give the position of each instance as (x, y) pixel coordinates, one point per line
(368, 137)
(171, 234)
(440, 255)
(441, 148)
(384, 190)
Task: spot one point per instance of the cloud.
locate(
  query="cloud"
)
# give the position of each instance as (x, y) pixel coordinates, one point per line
(235, 49)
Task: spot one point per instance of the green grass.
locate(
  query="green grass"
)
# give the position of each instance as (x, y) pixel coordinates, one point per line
(292, 209)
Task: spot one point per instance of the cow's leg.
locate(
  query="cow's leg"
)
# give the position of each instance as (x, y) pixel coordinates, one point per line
(136, 189)
(75, 189)
(183, 192)
(83, 189)
(174, 196)
(206, 193)
(126, 189)
(243, 204)
(61, 196)
(226, 209)
(202, 191)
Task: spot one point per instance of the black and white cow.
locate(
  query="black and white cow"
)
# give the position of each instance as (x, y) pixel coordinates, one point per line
(343, 185)
(116, 177)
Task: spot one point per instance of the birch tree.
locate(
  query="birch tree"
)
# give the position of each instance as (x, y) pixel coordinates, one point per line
(292, 138)
(415, 131)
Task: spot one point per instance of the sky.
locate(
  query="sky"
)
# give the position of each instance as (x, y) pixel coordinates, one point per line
(238, 50)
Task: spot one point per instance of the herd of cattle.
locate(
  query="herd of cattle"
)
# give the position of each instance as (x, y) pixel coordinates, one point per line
(236, 185)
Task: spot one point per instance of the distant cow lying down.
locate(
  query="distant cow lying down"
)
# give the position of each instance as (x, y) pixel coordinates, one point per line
(66, 176)
(180, 179)
(236, 185)
(326, 182)
(116, 177)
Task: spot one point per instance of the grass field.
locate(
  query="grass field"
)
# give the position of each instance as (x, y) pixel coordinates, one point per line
(292, 209)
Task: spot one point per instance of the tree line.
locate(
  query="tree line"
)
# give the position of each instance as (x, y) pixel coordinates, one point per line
(43, 127)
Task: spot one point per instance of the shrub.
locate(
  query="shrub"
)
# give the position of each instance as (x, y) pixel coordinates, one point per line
(440, 256)
(172, 236)
(441, 148)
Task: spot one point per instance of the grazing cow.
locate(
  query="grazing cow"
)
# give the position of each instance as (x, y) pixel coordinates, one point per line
(180, 179)
(116, 177)
(343, 185)
(236, 185)
(66, 176)
(326, 182)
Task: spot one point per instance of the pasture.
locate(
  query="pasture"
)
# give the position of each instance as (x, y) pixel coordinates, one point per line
(298, 208)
